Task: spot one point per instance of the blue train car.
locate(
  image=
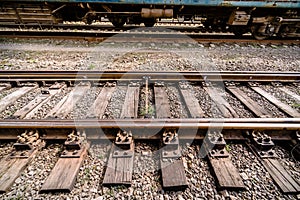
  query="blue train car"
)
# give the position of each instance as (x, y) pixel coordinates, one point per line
(262, 18)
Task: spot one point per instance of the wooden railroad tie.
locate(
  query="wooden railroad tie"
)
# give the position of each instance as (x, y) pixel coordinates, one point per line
(23, 152)
(67, 104)
(162, 106)
(222, 104)
(120, 162)
(172, 168)
(262, 145)
(98, 108)
(131, 102)
(191, 101)
(227, 175)
(13, 97)
(32, 107)
(63, 176)
(282, 106)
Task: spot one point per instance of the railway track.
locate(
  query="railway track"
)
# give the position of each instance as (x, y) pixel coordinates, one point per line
(209, 109)
(169, 34)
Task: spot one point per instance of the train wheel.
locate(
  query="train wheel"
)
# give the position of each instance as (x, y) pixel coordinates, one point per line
(118, 21)
(149, 22)
(257, 33)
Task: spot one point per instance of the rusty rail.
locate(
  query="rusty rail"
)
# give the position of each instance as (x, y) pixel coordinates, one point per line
(242, 76)
(278, 128)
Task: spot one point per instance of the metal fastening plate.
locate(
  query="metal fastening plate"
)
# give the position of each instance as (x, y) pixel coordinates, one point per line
(122, 153)
(175, 153)
(219, 153)
(216, 139)
(206, 84)
(21, 153)
(263, 145)
(110, 84)
(253, 84)
(262, 141)
(159, 84)
(45, 91)
(216, 145)
(276, 84)
(171, 147)
(230, 84)
(184, 85)
(73, 145)
(123, 146)
(134, 84)
(266, 154)
(71, 153)
(26, 144)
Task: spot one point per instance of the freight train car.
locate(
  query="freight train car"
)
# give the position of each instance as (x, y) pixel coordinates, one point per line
(263, 18)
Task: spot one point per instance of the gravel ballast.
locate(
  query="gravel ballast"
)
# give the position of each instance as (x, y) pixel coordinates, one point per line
(22, 54)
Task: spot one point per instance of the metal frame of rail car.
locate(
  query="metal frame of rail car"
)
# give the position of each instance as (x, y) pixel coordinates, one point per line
(261, 18)
(222, 3)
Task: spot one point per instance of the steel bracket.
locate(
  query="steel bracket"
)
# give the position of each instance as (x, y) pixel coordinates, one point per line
(123, 145)
(45, 91)
(171, 147)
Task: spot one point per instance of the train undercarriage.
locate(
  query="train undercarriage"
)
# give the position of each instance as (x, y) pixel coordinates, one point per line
(261, 22)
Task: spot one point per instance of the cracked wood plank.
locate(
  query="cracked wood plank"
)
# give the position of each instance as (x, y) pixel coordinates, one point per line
(282, 106)
(65, 106)
(13, 97)
(131, 103)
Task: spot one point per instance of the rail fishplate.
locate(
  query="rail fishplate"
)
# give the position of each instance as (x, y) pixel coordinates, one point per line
(123, 145)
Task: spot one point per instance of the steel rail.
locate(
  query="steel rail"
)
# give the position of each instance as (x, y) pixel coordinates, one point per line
(242, 76)
(228, 123)
(233, 129)
(116, 35)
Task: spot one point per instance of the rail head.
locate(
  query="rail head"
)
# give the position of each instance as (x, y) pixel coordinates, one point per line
(217, 76)
(281, 129)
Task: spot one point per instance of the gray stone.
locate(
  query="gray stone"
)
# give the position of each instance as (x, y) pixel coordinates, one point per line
(244, 176)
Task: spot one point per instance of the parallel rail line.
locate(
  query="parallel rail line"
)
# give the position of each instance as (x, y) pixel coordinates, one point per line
(261, 132)
(116, 35)
(242, 76)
